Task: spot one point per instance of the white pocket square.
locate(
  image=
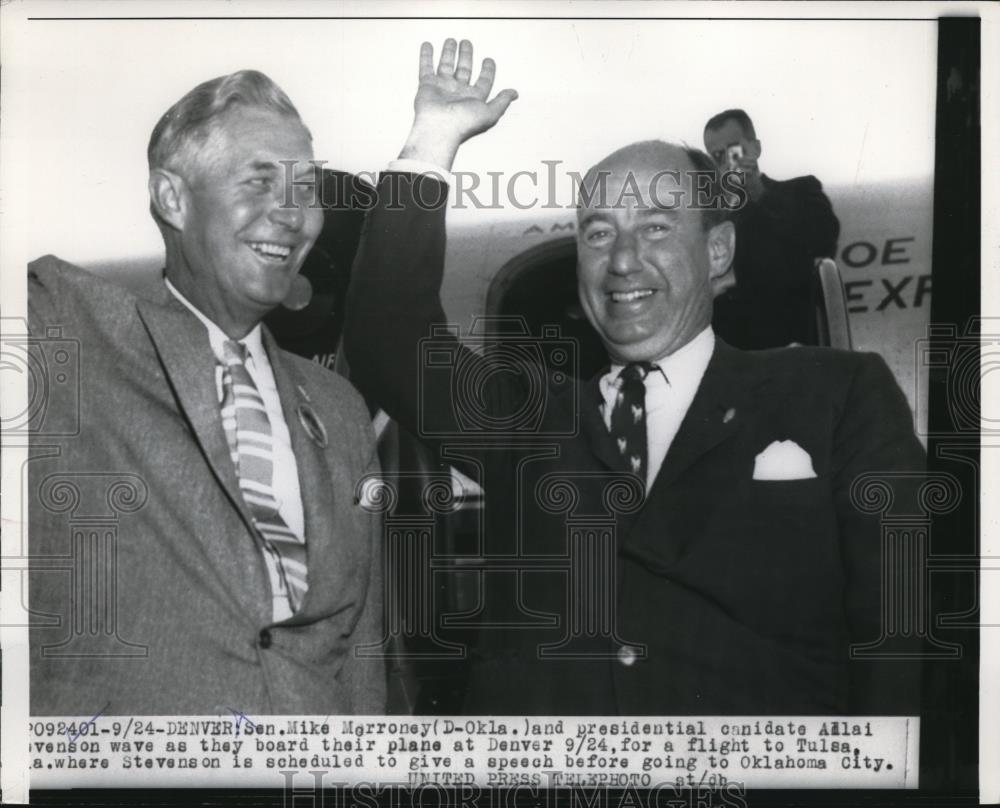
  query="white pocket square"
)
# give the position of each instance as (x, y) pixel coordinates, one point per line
(783, 460)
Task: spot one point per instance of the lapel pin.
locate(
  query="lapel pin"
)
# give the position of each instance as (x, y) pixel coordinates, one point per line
(730, 414)
(303, 393)
(313, 426)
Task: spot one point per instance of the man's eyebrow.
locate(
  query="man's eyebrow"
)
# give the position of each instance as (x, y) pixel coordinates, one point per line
(308, 169)
(303, 168)
(263, 165)
(590, 218)
(656, 210)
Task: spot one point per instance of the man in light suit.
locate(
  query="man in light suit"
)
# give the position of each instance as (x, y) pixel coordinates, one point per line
(678, 536)
(199, 544)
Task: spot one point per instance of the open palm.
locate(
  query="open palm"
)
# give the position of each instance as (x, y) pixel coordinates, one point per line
(446, 99)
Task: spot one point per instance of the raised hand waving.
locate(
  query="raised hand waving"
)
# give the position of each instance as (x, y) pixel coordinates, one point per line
(449, 108)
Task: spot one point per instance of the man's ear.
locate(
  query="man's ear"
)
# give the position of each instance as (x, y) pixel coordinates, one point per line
(721, 250)
(755, 148)
(167, 197)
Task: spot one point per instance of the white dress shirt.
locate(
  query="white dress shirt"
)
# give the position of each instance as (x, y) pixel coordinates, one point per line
(286, 473)
(669, 394)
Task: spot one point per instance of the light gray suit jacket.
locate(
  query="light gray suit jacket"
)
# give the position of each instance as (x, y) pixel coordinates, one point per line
(148, 590)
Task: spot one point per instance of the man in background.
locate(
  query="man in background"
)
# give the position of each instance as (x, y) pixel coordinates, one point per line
(203, 481)
(780, 232)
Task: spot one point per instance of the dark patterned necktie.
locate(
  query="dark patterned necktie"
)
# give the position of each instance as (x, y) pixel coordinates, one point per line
(628, 417)
(244, 418)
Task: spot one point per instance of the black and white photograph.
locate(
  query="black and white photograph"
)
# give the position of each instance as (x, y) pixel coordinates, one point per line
(455, 404)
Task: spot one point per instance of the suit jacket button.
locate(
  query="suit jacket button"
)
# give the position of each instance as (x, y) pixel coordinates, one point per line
(264, 638)
(627, 655)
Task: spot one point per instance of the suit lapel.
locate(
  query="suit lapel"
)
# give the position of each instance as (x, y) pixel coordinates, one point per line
(315, 482)
(184, 350)
(722, 406)
(719, 408)
(716, 413)
(182, 345)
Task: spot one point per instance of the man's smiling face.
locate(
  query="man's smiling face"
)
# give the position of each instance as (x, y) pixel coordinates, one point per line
(644, 268)
(242, 242)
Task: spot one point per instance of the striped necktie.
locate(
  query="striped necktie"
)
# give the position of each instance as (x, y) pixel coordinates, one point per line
(628, 417)
(244, 418)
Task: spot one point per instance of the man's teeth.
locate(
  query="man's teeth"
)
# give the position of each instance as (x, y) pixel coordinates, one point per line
(271, 250)
(628, 297)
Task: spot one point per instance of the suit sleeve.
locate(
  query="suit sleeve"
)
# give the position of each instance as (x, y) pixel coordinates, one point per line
(820, 226)
(393, 307)
(801, 215)
(875, 450)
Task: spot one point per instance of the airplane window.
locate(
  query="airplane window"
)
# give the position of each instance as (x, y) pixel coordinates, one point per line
(542, 290)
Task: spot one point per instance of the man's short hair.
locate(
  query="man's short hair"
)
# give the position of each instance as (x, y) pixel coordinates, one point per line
(181, 134)
(720, 211)
(738, 115)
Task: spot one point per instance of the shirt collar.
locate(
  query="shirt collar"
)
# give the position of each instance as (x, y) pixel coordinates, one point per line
(675, 385)
(688, 361)
(216, 336)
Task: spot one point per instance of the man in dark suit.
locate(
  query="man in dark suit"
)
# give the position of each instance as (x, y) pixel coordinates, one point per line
(198, 544)
(679, 534)
(780, 232)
